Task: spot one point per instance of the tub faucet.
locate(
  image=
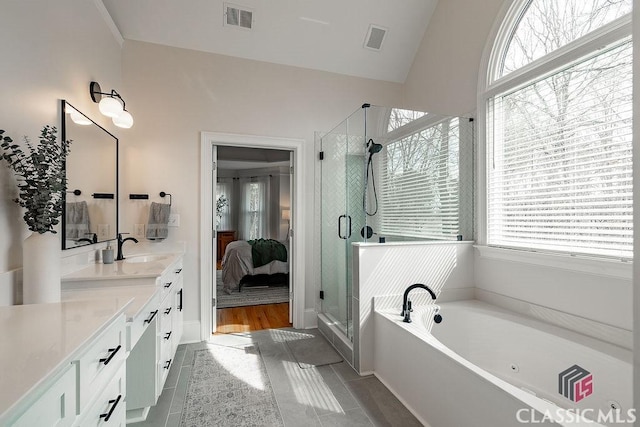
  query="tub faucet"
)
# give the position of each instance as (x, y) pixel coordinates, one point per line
(121, 241)
(406, 303)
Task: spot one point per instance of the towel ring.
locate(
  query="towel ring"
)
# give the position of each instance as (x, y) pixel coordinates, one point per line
(163, 194)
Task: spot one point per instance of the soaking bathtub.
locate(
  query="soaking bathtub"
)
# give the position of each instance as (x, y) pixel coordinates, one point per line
(484, 366)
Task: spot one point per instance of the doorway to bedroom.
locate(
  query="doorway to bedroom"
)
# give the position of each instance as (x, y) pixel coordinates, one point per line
(253, 200)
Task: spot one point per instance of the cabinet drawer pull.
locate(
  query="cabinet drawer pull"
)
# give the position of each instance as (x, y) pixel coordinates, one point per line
(168, 310)
(153, 314)
(167, 335)
(180, 303)
(178, 271)
(167, 364)
(114, 403)
(166, 285)
(113, 352)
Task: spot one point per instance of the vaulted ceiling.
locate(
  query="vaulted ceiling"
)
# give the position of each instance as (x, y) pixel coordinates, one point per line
(328, 35)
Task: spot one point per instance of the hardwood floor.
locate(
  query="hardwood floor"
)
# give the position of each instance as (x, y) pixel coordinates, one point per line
(252, 318)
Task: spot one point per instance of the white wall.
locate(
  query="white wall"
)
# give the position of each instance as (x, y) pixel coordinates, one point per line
(444, 75)
(50, 51)
(174, 94)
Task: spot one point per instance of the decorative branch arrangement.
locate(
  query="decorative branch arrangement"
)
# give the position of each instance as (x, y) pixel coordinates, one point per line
(221, 202)
(41, 176)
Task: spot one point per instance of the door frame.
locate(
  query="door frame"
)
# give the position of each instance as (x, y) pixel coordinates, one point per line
(297, 146)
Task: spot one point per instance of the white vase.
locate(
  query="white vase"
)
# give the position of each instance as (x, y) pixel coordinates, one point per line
(41, 268)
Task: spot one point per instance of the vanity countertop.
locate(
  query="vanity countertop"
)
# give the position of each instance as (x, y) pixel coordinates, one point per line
(140, 294)
(41, 339)
(136, 266)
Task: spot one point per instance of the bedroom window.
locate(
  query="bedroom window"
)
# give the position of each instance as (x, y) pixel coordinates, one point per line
(253, 218)
(420, 189)
(558, 124)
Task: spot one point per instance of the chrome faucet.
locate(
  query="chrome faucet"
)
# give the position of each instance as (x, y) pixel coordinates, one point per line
(406, 303)
(121, 241)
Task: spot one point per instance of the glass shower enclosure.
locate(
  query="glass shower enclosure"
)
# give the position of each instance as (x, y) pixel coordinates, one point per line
(343, 163)
(389, 173)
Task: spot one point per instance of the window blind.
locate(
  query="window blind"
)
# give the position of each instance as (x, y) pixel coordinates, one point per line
(560, 165)
(420, 184)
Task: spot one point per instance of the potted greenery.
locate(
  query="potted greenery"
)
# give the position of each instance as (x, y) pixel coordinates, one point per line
(41, 185)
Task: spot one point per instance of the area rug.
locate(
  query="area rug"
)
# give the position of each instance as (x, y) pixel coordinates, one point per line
(254, 295)
(313, 351)
(229, 386)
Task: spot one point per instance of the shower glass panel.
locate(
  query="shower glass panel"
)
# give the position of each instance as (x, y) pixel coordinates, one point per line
(342, 216)
(389, 175)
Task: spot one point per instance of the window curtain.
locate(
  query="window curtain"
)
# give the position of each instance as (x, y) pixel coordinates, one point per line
(254, 216)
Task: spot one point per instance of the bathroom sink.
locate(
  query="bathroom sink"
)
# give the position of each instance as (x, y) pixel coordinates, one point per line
(145, 258)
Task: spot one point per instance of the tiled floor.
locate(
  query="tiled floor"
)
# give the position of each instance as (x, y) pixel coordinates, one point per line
(330, 395)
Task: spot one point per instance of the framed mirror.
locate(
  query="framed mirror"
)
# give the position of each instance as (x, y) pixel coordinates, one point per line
(90, 208)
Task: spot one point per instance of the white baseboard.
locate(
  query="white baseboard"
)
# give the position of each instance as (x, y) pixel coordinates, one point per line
(310, 318)
(190, 332)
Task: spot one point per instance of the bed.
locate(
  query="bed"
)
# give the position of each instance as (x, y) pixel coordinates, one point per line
(238, 268)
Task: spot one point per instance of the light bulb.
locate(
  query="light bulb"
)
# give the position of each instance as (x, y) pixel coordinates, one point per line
(78, 118)
(124, 120)
(110, 107)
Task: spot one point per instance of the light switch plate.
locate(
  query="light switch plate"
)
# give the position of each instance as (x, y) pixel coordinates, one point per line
(138, 230)
(174, 220)
(103, 231)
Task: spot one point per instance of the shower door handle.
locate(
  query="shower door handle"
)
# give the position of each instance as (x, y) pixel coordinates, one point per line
(340, 226)
(348, 218)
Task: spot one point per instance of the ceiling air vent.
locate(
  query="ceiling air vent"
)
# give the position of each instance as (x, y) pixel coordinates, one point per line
(375, 37)
(238, 16)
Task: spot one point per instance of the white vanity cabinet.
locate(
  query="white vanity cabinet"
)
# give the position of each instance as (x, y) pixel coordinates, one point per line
(109, 408)
(101, 368)
(154, 321)
(56, 407)
(70, 367)
(170, 320)
(154, 352)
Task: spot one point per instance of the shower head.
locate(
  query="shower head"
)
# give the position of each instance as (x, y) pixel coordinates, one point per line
(373, 147)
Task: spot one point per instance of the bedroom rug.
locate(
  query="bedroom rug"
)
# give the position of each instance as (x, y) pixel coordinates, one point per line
(313, 351)
(250, 295)
(229, 386)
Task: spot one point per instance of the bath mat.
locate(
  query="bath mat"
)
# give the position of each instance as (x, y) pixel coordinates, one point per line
(315, 351)
(229, 386)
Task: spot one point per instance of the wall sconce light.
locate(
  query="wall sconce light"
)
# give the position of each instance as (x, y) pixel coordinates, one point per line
(76, 116)
(111, 105)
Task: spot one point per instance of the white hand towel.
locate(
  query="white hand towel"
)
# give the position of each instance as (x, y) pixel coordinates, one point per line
(157, 226)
